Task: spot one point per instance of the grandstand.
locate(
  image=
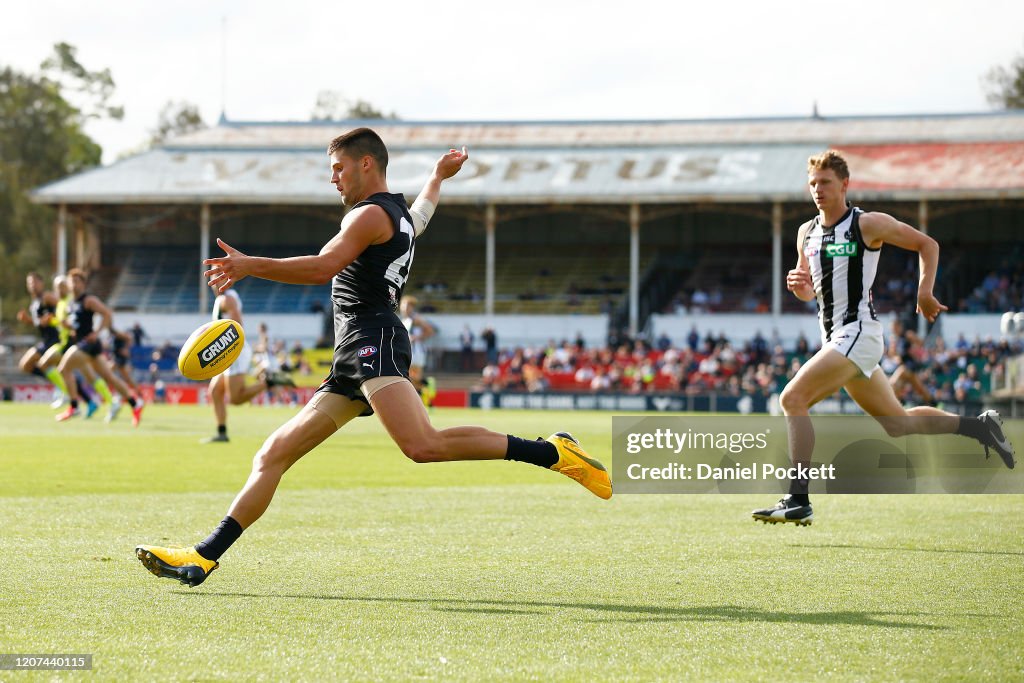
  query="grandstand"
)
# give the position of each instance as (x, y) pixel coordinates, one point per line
(619, 220)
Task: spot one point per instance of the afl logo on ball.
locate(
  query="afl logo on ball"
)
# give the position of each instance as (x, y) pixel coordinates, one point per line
(367, 351)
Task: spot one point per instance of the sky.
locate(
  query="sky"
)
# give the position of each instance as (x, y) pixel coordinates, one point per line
(528, 60)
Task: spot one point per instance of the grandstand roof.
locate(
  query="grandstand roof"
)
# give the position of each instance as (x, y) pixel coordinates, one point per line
(899, 157)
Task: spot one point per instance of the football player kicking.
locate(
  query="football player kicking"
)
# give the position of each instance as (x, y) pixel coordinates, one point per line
(369, 261)
(837, 254)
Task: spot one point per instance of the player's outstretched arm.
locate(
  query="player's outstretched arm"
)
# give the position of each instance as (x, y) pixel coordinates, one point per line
(423, 208)
(881, 228)
(360, 228)
(96, 305)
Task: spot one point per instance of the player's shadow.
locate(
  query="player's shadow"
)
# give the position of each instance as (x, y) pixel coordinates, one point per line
(624, 613)
(848, 546)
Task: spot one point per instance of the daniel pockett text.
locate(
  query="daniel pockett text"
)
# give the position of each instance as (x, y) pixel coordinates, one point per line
(749, 454)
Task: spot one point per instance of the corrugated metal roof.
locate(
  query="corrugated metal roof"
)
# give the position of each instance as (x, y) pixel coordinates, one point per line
(995, 126)
(937, 156)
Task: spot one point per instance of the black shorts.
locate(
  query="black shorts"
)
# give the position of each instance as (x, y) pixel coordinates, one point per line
(910, 364)
(362, 353)
(46, 342)
(93, 348)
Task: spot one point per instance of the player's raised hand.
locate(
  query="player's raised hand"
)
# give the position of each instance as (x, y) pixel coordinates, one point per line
(450, 162)
(929, 306)
(226, 270)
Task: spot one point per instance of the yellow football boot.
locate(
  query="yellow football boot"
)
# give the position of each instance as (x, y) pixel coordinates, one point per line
(574, 463)
(183, 564)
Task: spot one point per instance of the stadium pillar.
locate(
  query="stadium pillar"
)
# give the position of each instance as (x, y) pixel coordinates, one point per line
(776, 259)
(204, 253)
(922, 225)
(80, 255)
(62, 239)
(489, 221)
(634, 269)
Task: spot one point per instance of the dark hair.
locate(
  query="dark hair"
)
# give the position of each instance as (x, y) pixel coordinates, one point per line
(829, 160)
(78, 272)
(359, 143)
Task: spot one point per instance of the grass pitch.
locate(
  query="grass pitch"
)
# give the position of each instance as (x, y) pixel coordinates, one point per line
(370, 567)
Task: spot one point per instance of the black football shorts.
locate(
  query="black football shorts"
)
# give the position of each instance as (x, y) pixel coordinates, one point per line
(362, 353)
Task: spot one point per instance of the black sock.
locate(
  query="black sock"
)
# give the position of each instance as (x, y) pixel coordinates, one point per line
(798, 491)
(131, 401)
(217, 543)
(541, 453)
(37, 371)
(74, 403)
(222, 430)
(82, 391)
(972, 427)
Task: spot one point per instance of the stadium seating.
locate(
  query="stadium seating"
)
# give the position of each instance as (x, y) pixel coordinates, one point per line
(166, 280)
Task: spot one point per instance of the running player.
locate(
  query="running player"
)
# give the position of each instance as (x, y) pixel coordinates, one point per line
(121, 357)
(229, 386)
(369, 261)
(53, 355)
(907, 343)
(420, 330)
(87, 351)
(837, 254)
(40, 314)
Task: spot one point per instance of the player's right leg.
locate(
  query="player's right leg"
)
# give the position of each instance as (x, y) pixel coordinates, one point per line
(823, 375)
(215, 393)
(29, 360)
(320, 418)
(74, 359)
(102, 368)
(402, 413)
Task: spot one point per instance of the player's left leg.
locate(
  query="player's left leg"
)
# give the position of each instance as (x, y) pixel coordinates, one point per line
(32, 363)
(74, 359)
(876, 397)
(47, 364)
(320, 418)
(402, 413)
(238, 392)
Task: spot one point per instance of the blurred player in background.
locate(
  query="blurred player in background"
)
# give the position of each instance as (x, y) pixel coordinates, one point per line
(41, 314)
(420, 330)
(53, 355)
(837, 255)
(229, 386)
(368, 262)
(908, 345)
(121, 357)
(87, 351)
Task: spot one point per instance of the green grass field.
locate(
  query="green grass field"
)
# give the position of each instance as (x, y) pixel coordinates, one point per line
(370, 567)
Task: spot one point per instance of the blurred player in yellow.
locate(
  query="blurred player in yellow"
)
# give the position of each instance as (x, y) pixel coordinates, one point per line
(41, 314)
